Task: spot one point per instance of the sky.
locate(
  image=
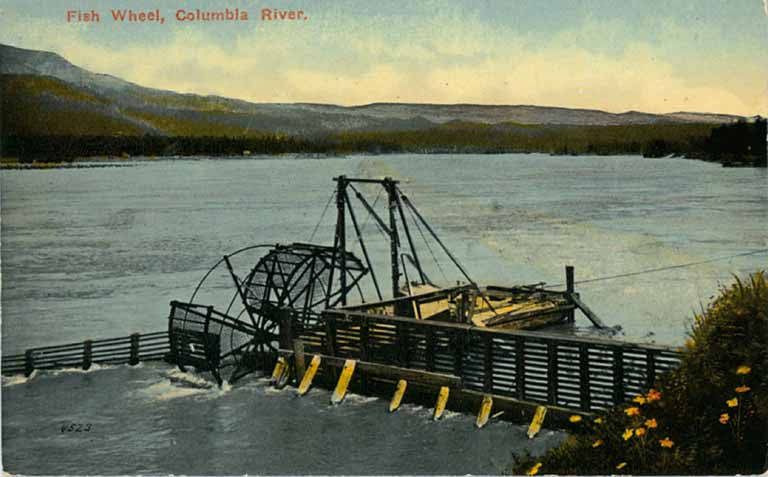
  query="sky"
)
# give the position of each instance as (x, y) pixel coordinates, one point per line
(614, 55)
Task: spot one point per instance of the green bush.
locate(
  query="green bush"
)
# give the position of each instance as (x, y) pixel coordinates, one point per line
(709, 416)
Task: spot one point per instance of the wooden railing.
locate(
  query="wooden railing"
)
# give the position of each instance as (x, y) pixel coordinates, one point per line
(581, 373)
(125, 350)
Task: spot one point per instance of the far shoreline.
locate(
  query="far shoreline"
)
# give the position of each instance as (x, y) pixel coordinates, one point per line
(85, 162)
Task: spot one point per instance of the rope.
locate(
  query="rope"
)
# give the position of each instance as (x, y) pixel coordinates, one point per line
(424, 238)
(368, 219)
(661, 269)
(322, 216)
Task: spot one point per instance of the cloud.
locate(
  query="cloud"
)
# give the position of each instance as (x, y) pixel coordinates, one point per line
(446, 61)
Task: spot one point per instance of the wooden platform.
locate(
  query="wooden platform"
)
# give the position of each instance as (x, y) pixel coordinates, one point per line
(578, 373)
(518, 308)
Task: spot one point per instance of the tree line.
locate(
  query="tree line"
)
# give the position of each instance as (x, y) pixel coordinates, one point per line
(741, 143)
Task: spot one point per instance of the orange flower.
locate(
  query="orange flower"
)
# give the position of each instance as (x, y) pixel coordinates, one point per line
(640, 399)
(632, 411)
(724, 417)
(575, 418)
(743, 370)
(534, 470)
(666, 442)
(621, 466)
(742, 389)
(653, 395)
(640, 431)
(597, 443)
(627, 434)
(651, 424)
(732, 402)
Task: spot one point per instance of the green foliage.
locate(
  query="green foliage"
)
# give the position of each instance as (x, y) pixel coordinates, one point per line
(713, 408)
(510, 137)
(739, 143)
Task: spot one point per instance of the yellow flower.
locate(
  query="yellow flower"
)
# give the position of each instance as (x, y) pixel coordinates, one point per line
(632, 411)
(534, 470)
(653, 395)
(651, 424)
(732, 402)
(724, 417)
(621, 466)
(639, 431)
(575, 418)
(599, 420)
(743, 370)
(640, 399)
(627, 434)
(666, 442)
(597, 443)
(742, 389)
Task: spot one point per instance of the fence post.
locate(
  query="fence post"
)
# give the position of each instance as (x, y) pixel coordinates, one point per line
(430, 358)
(403, 348)
(29, 362)
(569, 287)
(364, 336)
(134, 360)
(488, 383)
(285, 320)
(650, 367)
(552, 372)
(584, 377)
(458, 356)
(173, 353)
(330, 334)
(298, 359)
(618, 375)
(87, 354)
(520, 368)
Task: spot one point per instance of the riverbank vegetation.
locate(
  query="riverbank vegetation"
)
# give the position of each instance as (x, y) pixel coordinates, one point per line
(709, 416)
(735, 144)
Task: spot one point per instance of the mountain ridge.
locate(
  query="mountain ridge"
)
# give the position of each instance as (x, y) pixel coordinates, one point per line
(158, 111)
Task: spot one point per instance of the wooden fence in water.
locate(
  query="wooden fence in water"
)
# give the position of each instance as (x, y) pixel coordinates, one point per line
(582, 373)
(125, 350)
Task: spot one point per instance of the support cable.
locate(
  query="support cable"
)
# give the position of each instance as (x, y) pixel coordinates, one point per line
(426, 242)
(661, 269)
(382, 226)
(368, 218)
(448, 252)
(362, 246)
(328, 204)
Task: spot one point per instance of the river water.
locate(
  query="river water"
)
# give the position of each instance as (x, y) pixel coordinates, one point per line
(95, 253)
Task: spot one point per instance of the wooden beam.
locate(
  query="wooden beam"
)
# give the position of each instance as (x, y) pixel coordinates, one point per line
(530, 314)
(585, 309)
(134, 359)
(394, 373)
(569, 282)
(298, 353)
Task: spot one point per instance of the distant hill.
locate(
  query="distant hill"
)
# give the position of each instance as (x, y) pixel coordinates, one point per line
(43, 93)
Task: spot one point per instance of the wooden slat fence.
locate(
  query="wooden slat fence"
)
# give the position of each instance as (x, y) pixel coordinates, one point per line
(581, 373)
(125, 350)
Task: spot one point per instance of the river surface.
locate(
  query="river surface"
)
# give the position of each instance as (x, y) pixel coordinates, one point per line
(96, 253)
